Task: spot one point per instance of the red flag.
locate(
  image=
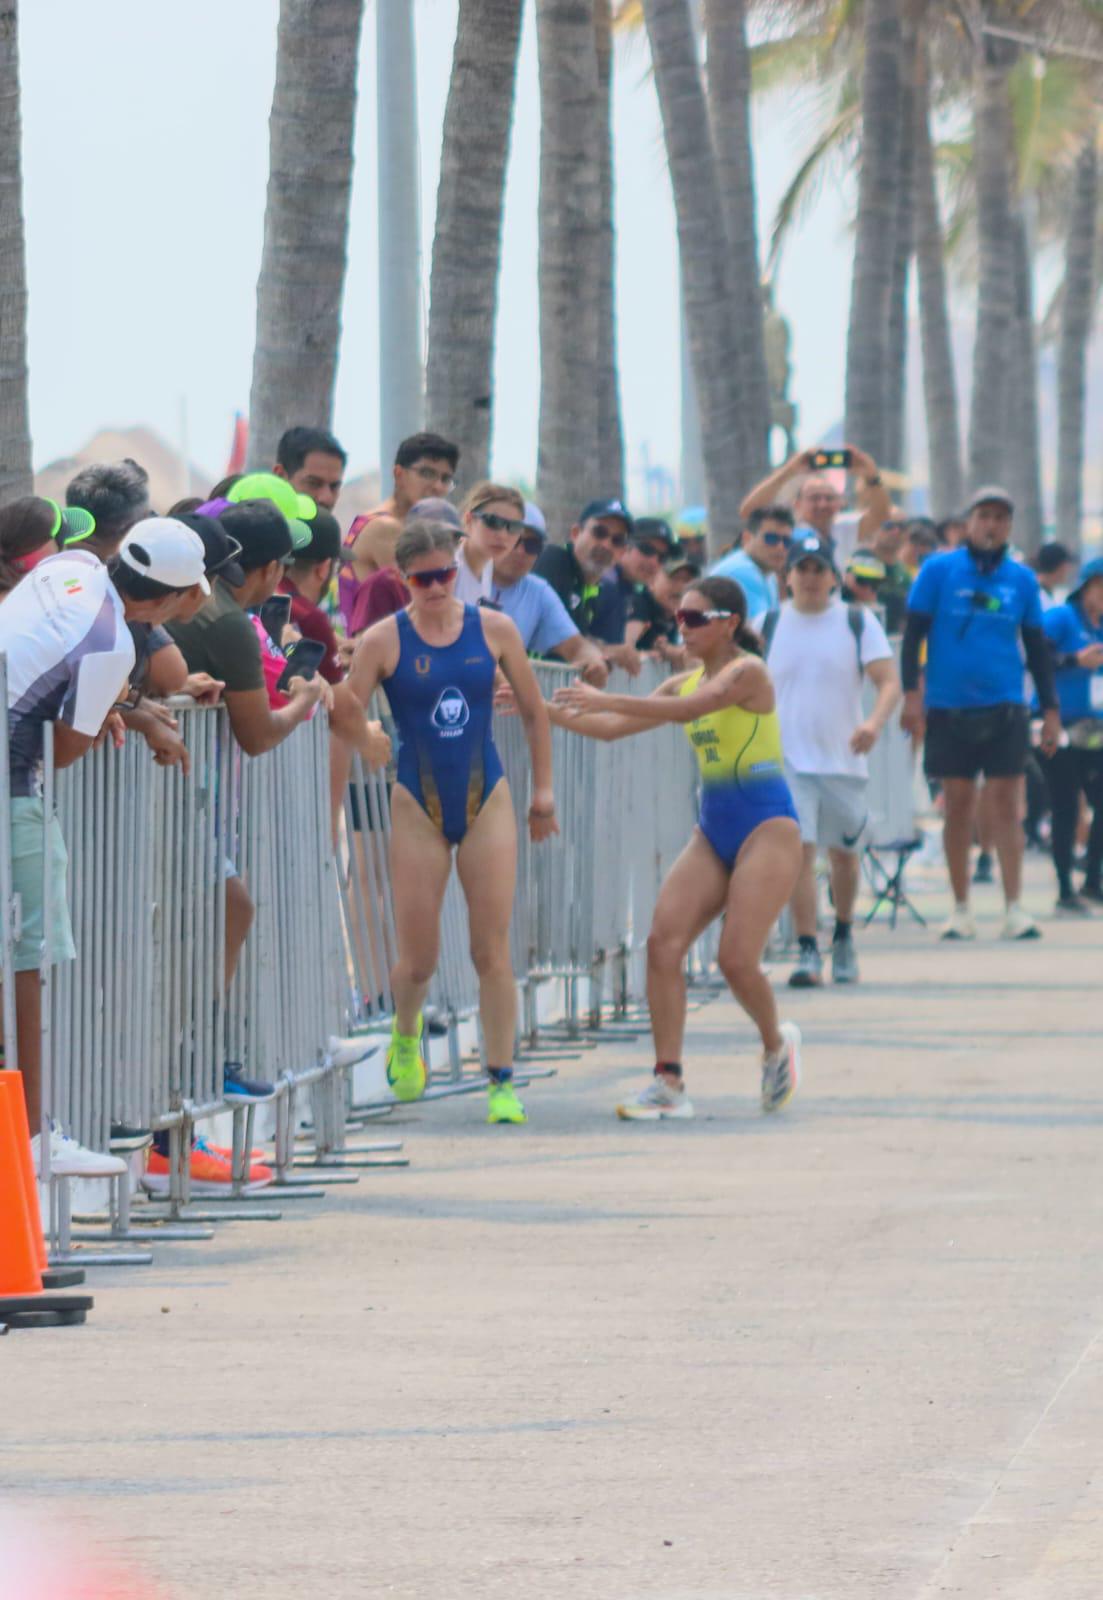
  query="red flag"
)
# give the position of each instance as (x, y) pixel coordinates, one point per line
(239, 445)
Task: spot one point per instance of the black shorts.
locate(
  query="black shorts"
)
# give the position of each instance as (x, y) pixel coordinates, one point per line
(993, 740)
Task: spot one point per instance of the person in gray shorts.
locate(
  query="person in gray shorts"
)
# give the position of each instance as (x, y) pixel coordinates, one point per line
(820, 651)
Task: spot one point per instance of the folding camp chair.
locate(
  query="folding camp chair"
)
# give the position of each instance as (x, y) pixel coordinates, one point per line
(888, 885)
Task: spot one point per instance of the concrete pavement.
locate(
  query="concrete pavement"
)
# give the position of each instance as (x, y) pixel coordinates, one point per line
(852, 1351)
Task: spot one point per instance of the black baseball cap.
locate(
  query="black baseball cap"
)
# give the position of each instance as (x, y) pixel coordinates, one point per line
(608, 508)
(220, 550)
(651, 530)
(325, 538)
(262, 531)
(808, 545)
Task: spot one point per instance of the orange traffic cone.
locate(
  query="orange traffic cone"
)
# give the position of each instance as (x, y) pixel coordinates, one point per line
(18, 1107)
(20, 1229)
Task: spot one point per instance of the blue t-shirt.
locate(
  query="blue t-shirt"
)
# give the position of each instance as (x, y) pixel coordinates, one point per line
(973, 653)
(1079, 691)
(540, 616)
(759, 587)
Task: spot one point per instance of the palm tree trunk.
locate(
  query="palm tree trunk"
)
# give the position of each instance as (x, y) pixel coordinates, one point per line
(939, 380)
(729, 103)
(993, 145)
(15, 429)
(894, 443)
(569, 263)
(302, 270)
(1024, 467)
(728, 452)
(867, 353)
(610, 436)
(1076, 320)
(467, 247)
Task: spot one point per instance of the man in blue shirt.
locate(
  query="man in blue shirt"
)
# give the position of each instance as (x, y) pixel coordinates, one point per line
(535, 609)
(767, 538)
(973, 605)
(1075, 634)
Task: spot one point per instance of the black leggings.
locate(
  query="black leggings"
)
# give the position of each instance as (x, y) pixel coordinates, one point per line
(1070, 773)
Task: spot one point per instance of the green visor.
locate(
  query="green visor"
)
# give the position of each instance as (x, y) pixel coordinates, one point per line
(72, 524)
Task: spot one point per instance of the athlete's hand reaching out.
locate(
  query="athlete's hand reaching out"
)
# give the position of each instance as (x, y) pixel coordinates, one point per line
(579, 697)
(542, 822)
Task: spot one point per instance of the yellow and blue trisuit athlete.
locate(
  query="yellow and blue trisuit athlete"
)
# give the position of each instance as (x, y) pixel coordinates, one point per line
(744, 856)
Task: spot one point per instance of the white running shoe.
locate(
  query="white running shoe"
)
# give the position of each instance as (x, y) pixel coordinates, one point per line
(960, 925)
(781, 1072)
(1019, 924)
(68, 1159)
(655, 1103)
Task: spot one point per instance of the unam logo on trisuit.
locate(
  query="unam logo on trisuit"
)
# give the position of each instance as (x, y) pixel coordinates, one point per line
(451, 714)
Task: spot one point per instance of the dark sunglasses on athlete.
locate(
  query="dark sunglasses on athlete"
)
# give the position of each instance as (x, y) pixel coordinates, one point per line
(699, 619)
(601, 533)
(497, 524)
(778, 538)
(426, 580)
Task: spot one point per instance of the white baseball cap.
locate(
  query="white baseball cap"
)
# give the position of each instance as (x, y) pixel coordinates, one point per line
(166, 551)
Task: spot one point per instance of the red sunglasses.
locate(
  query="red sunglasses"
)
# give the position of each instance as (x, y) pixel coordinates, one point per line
(426, 580)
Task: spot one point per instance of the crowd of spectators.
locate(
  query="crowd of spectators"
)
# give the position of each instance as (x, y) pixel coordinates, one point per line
(109, 609)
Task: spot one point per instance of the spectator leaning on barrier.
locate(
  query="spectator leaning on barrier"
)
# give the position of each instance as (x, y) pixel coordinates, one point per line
(424, 465)
(653, 625)
(32, 529)
(1075, 768)
(313, 462)
(820, 505)
(493, 518)
(756, 565)
(575, 571)
(819, 651)
(306, 580)
(1053, 566)
(535, 609)
(973, 605)
(64, 633)
(650, 544)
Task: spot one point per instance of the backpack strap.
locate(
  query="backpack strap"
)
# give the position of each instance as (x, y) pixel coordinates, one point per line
(769, 628)
(856, 620)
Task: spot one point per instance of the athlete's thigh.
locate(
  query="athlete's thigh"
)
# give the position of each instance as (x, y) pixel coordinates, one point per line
(487, 864)
(761, 885)
(692, 894)
(421, 862)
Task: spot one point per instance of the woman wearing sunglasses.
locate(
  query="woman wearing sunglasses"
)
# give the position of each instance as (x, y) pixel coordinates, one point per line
(437, 662)
(743, 857)
(493, 520)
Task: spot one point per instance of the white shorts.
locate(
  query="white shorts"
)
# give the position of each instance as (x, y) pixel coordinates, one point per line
(831, 808)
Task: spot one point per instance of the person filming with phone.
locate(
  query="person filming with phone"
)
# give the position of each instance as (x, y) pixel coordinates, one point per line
(819, 505)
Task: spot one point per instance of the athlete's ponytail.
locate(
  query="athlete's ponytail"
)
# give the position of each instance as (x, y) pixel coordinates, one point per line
(424, 539)
(724, 594)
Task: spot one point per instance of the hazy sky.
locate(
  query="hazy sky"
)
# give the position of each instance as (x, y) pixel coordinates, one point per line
(145, 164)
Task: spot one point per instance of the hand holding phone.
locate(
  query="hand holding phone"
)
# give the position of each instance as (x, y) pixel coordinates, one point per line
(303, 661)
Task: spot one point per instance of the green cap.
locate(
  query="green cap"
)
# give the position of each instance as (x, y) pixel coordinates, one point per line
(299, 509)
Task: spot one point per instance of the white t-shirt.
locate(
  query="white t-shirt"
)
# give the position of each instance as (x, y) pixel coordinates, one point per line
(69, 655)
(467, 587)
(813, 660)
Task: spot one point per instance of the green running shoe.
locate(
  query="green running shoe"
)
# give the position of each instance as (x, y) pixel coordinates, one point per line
(503, 1104)
(407, 1073)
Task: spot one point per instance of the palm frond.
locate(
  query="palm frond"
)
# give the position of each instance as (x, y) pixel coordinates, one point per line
(806, 181)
